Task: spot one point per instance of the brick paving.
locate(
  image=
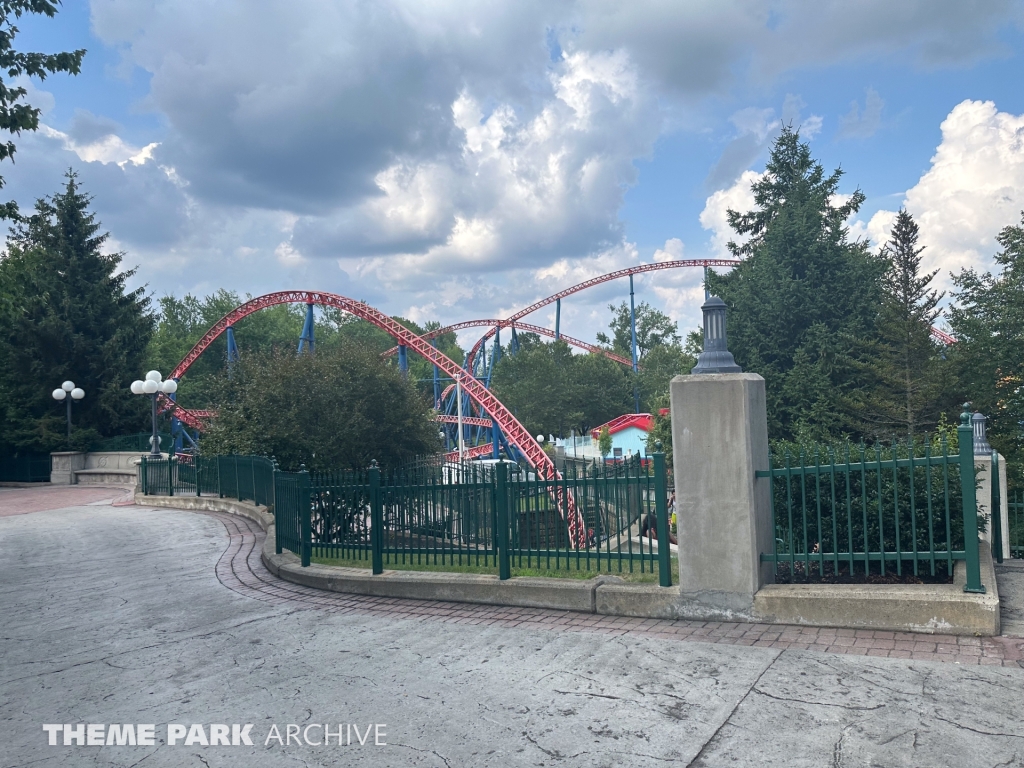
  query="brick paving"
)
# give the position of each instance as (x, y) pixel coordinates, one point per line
(24, 500)
(241, 569)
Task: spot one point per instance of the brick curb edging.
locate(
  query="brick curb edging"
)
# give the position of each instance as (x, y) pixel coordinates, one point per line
(888, 608)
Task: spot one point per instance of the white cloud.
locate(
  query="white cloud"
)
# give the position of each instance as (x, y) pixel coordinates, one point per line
(109, 148)
(714, 217)
(974, 188)
(862, 124)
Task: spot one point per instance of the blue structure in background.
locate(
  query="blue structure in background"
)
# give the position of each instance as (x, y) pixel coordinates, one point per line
(307, 341)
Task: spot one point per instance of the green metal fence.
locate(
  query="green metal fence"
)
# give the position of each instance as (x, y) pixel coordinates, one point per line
(138, 442)
(1015, 508)
(25, 468)
(246, 478)
(905, 509)
(480, 514)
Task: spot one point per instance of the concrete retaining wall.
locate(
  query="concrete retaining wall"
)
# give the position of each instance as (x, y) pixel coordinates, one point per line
(942, 608)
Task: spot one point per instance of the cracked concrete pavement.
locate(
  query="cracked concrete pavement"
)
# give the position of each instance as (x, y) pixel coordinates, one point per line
(116, 615)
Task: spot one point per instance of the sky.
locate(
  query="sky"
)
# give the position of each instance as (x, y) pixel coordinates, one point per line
(451, 160)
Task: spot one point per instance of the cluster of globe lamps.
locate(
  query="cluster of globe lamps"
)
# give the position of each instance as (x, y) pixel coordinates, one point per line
(67, 392)
(154, 385)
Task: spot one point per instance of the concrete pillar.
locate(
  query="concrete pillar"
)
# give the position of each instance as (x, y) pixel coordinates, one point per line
(983, 465)
(63, 465)
(719, 440)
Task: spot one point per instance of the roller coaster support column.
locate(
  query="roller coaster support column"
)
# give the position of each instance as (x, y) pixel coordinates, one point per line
(458, 400)
(632, 344)
(437, 380)
(233, 355)
(176, 429)
(558, 319)
(403, 360)
(495, 357)
(306, 340)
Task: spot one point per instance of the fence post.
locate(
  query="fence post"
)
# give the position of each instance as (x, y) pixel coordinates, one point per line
(661, 511)
(305, 512)
(220, 475)
(376, 520)
(501, 510)
(145, 478)
(997, 511)
(170, 474)
(965, 437)
(277, 518)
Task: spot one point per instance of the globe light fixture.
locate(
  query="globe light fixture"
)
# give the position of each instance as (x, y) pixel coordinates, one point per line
(61, 395)
(154, 385)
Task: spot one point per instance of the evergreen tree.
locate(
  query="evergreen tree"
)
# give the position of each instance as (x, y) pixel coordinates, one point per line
(906, 363)
(66, 314)
(988, 323)
(804, 296)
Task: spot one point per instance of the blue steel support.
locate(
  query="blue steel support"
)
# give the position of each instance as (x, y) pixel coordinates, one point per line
(437, 381)
(558, 319)
(707, 293)
(233, 355)
(632, 344)
(176, 428)
(306, 340)
(513, 346)
(403, 360)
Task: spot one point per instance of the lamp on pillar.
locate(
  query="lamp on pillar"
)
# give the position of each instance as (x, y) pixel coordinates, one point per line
(716, 357)
(981, 446)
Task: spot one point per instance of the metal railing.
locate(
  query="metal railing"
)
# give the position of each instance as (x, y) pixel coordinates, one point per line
(1015, 510)
(480, 514)
(868, 509)
(25, 468)
(246, 478)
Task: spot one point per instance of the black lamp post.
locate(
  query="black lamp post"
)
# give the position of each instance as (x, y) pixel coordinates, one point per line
(68, 392)
(716, 357)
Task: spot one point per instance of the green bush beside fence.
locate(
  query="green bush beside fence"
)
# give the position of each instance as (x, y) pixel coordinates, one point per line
(900, 507)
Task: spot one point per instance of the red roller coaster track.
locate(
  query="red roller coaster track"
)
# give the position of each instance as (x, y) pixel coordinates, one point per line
(539, 330)
(515, 432)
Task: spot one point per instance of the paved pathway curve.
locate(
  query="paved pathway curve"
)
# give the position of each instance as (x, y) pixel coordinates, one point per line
(121, 615)
(242, 570)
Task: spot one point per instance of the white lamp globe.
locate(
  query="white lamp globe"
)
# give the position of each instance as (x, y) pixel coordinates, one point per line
(169, 387)
(540, 438)
(77, 393)
(150, 387)
(154, 376)
(59, 394)
(138, 387)
(67, 386)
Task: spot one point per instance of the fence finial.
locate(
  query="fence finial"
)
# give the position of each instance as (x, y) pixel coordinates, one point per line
(965, 417)
(373, 464)
(658, 446)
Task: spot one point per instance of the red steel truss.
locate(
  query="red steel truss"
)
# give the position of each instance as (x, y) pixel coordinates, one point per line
(539, 330)
(515, 433)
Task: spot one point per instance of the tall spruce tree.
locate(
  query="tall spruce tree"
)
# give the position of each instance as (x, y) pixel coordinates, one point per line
(988, 322)
(905, 362)
(66, 314)
(804, 296)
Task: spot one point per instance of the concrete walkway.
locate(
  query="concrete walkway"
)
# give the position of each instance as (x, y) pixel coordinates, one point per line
(131, 615)
(1011, 595)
